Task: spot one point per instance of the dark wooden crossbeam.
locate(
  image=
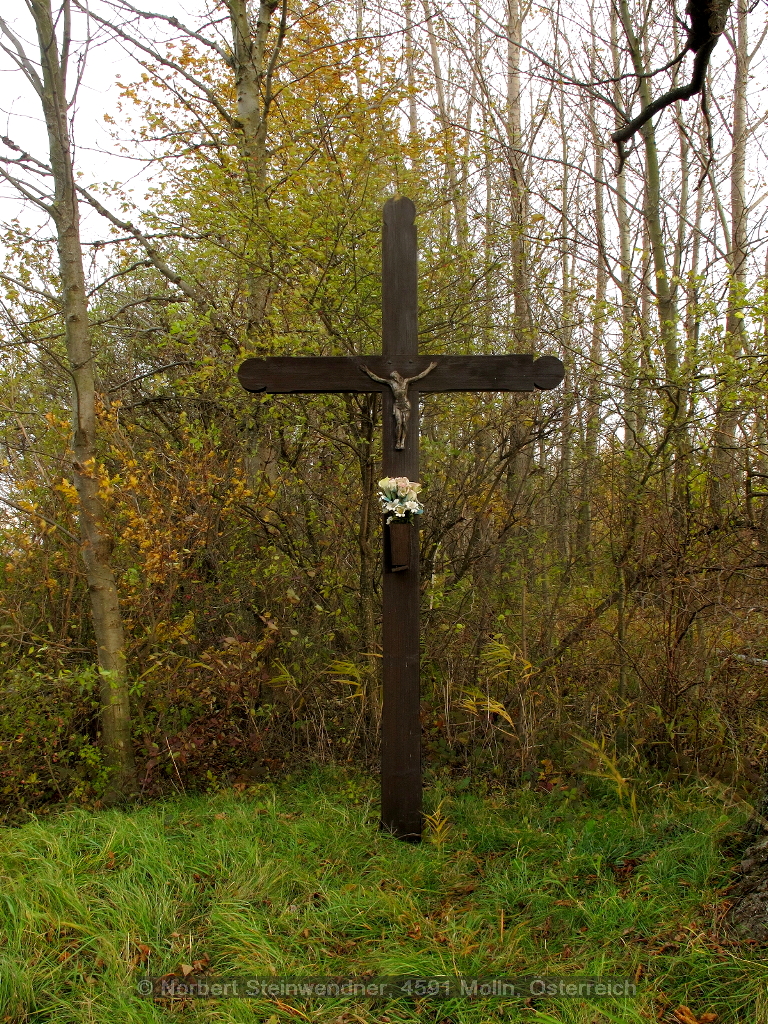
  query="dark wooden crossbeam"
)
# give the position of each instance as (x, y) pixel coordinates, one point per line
(400, 373)
(295, 374)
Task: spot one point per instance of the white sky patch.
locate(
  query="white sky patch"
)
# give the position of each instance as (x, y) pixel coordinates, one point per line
(100, 66)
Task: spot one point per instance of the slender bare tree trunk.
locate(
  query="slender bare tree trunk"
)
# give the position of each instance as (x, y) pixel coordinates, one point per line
(664, 294)
(490, 233)
(253, 67)
(520, 464)
(629, 361)
(458, 200)
(692, 314)
(410, 70)
(592, 430)
(675, 416)
(563, 511)
(724, 468)
(518, 191)
(97, 542)
(682, 440)
(632, 361)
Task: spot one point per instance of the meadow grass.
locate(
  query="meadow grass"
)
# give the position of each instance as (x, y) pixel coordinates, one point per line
(295, 879)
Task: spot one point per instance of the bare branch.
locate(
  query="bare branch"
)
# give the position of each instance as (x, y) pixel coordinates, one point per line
(179, 26)
(157, 260)
(23, 188)
(166, 62)
(39, 515)
(149, 373)
(19, 56)
(707, 23)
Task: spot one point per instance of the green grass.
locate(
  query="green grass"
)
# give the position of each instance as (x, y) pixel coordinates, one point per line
(295, 879)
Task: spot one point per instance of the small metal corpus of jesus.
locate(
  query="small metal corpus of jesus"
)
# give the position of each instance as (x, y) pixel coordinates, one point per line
(401, 407)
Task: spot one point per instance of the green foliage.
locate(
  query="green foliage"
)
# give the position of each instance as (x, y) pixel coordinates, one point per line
(48, 751)
(246, 536)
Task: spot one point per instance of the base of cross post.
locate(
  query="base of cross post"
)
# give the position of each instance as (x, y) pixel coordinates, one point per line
(398, 815)
(401, 783)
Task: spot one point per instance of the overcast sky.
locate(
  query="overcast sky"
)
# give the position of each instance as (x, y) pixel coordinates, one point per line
(97, 155)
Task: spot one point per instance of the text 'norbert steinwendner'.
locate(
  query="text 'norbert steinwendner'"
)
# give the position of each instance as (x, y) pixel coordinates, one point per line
(401, 987)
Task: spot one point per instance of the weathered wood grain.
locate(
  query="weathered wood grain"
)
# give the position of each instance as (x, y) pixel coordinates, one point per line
(294, 374)
(397, 556)
(401, 783)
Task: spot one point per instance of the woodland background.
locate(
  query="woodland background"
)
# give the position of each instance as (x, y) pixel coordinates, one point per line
(593, 559)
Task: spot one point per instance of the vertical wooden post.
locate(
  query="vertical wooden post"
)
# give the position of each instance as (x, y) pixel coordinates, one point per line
(391, 374)
(401, 726)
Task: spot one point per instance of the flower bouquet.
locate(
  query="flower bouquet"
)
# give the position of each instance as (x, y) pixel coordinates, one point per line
(399, 500)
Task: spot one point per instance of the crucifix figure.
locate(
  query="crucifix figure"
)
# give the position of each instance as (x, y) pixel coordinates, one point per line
(402, 407)
(393, 374)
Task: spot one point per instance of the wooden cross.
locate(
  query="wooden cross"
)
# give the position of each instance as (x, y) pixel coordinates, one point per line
(395, 374)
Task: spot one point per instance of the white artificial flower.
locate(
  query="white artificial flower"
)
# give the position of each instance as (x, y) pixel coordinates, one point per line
(399, 497)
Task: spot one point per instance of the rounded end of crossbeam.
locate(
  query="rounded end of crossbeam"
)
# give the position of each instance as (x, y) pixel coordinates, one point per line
(548, 372)
(245, 376)
(401, 211)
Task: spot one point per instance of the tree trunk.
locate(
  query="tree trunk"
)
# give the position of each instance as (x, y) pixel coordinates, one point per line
(629, 348)
(663, 287)
(248, 56)
(413, 117)
(592, 430)
(518, 196)
(253, 83)
(563, 508)
(458, 200)
(723, 487)
(97, 543)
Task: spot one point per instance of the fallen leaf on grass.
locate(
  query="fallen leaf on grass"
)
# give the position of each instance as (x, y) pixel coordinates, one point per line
(196, 967)
(624, 868)
(685, 1015)
(464, 889)
(141, 956)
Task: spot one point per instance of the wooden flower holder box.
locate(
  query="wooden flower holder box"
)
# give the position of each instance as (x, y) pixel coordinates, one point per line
(398, 546)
